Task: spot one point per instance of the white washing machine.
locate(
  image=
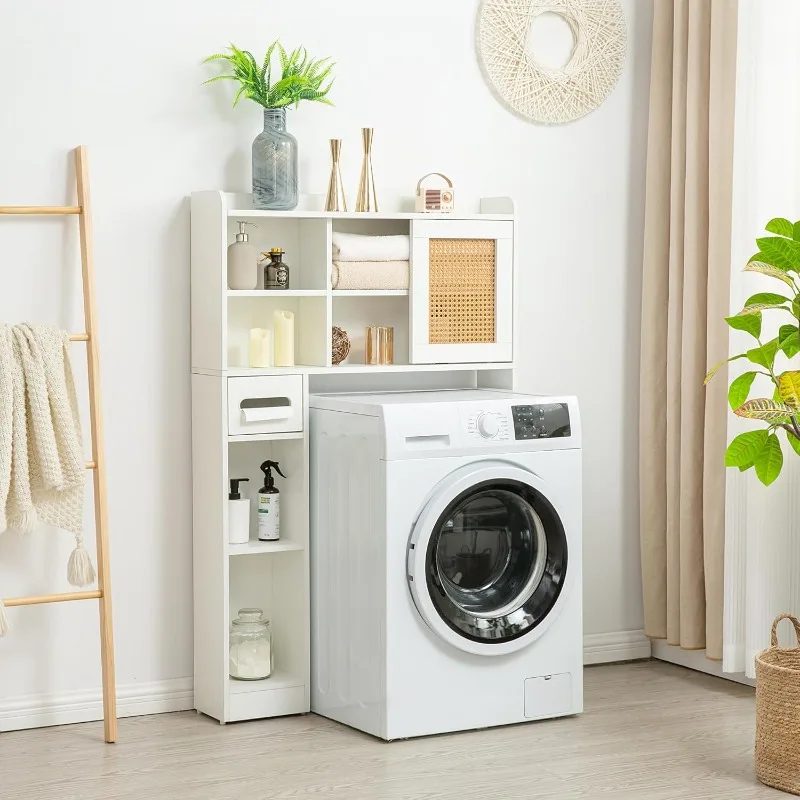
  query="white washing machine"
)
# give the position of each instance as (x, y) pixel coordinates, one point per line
(446, 560)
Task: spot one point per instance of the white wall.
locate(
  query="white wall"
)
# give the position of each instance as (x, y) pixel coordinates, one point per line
(125, 79)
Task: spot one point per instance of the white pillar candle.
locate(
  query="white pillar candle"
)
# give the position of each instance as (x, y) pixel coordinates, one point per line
(283, 334)
(260, 350)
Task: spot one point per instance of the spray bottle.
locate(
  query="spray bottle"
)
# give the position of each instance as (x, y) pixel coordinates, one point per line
(269, 505)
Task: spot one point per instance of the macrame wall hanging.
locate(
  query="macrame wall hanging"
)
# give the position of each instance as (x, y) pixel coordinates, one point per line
(541, 93)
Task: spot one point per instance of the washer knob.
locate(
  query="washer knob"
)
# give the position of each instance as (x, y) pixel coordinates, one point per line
(488, 426)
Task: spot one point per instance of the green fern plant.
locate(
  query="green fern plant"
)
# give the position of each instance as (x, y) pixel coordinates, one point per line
(778, 257)
(302, 77)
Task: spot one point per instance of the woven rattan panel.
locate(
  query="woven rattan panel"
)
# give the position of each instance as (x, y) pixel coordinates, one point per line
(462, 291)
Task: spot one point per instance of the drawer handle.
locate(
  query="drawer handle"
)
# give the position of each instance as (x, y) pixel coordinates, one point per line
(265, 409)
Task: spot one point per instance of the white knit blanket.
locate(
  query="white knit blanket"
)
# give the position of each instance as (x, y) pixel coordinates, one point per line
(42, 466)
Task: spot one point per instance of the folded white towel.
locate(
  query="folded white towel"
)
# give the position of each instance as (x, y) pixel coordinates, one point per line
(355, 247)
(369, 275)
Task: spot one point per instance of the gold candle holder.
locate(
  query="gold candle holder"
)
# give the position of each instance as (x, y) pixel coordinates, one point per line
(367, 200)
(336, 200)
(379, 345)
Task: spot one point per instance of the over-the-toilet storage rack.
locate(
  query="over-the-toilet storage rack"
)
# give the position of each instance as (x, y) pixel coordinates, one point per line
(275, 575)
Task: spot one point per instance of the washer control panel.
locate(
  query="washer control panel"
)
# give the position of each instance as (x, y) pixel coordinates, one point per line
(488, 425)
(547, 421)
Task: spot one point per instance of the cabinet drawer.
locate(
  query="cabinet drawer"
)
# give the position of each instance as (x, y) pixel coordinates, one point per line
(272, 404)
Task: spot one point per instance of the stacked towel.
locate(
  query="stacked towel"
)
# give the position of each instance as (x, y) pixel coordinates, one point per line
(370, 262)
(355, 247)
(369, 275)
(42, 466)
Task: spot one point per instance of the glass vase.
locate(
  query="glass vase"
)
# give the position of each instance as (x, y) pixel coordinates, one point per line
(275, 164)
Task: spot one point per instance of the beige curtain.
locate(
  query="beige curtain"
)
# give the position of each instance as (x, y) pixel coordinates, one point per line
(685, 295)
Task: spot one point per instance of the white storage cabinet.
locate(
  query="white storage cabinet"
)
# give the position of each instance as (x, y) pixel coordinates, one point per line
(243, 416)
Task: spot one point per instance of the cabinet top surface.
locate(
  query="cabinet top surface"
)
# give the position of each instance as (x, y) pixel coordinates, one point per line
(239, 205)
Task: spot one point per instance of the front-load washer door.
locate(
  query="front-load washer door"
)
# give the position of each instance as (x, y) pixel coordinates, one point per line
(487, 559)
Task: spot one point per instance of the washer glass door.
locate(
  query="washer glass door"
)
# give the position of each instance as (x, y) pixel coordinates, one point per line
(496, 561)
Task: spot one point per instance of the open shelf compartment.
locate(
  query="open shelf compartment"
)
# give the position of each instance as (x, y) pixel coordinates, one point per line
(244, 461)
(306, 245)
(311, 329)
(273, 578)
(354, 314)
(276, 586)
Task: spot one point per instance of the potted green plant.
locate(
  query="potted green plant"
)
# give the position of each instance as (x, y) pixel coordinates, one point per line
(275, 149)
(778, 257)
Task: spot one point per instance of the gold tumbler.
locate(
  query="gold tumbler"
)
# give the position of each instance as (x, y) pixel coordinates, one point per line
(379, 345)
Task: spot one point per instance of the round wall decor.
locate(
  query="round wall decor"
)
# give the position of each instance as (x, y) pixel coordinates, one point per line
(541, 93)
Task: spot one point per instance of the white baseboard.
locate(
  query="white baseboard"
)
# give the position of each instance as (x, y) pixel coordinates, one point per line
(65, 708)
(696, 659)
(603, 648)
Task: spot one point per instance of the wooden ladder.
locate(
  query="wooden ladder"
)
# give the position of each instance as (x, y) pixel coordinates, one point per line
(97, 463)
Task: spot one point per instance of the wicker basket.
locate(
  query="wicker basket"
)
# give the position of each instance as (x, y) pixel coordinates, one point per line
(778, 713)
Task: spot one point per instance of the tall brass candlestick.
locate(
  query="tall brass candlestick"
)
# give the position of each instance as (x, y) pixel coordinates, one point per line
(367, 199)
(336, 200)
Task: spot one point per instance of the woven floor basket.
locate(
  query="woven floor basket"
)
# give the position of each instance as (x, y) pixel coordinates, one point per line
(778, 713)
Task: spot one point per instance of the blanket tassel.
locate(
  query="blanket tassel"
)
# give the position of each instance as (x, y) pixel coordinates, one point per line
(4, 626)
(24, 521)
(80, 570)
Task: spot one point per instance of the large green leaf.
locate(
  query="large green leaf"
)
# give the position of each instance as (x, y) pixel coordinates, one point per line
(791, 345)
(756, 265)
(764, 356)
(740, 389)
(754, 309)
(789, 340)
(769, 460)
(713, 371)
(780, 226)
(789, 387)
(796, 231)
(766, 297)
(793, 441)
(780, 252)
(766, 410)
(745, 447)
(749, 323)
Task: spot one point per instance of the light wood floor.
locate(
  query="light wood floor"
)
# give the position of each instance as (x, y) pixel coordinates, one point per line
(651, 731)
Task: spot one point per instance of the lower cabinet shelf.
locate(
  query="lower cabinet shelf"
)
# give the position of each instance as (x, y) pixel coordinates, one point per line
(278, 680)
(255, 546)
(279, 695)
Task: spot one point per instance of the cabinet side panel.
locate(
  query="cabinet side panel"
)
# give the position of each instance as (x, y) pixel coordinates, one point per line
(209, 457)
(348, 556)
(209, 281)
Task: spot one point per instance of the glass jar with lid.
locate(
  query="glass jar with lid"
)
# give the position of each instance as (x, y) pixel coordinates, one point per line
(250, 646)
